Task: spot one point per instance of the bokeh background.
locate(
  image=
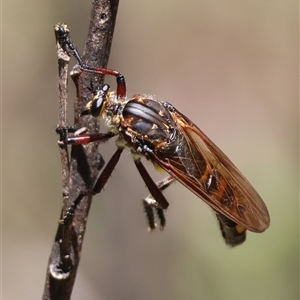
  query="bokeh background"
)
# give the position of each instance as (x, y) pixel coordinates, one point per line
(230, 66)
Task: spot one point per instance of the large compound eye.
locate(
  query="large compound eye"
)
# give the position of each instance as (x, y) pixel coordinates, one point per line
(98, 101)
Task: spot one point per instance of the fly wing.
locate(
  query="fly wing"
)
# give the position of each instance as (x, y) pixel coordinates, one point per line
(203, 168)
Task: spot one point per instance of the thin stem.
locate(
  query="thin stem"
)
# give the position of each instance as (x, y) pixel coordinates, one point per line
(81, 169)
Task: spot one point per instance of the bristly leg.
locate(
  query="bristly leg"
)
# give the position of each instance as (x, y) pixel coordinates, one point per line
(150, 204)
(150, 215)
(97, 188)
(162, 219)
(78, 138)
(64, 39)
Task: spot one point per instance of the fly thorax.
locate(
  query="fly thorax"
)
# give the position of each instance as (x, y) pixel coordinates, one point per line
(112, 112)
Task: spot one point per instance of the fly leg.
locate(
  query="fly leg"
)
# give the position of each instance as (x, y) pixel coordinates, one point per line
(79, 139)
(160, 199)
(150, 204)
(97, 187)
(155, 200)
(64, 40)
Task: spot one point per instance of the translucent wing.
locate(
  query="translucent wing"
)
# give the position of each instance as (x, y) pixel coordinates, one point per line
(203, 168)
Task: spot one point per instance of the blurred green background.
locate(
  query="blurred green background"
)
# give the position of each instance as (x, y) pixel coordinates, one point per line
(230, 66)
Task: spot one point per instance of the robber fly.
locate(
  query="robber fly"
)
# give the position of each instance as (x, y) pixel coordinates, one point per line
(157, 131)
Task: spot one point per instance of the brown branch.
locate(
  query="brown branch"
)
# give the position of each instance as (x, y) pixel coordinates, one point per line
(81, 169)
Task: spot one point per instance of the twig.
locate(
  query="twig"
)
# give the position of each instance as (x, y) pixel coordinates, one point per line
(79, 172)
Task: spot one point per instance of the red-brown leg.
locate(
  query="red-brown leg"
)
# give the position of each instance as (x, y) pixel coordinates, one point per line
(98, 186)
(152, 187)
(88, 138)
(150, 204)
(64, 39)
